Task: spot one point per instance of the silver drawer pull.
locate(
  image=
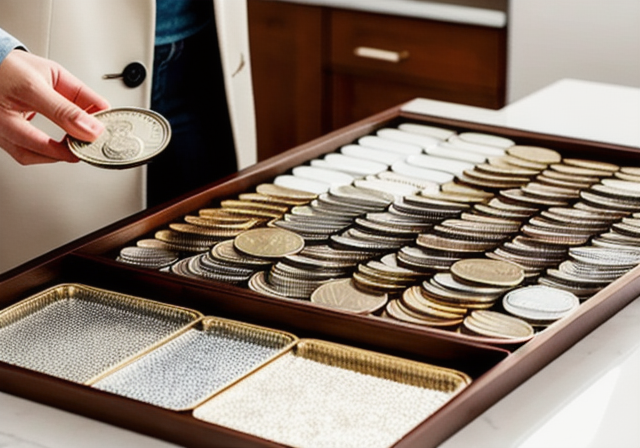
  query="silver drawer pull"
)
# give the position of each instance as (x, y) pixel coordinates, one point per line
(381, 55)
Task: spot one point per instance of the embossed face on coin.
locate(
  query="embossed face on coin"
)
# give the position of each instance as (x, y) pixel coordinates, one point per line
(132, 136)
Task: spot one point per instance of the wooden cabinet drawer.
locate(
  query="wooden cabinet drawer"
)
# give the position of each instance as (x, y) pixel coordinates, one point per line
(447, 56)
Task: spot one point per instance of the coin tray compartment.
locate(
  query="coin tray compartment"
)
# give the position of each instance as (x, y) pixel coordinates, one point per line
(196, 364)
(322, 393)
(76, 332)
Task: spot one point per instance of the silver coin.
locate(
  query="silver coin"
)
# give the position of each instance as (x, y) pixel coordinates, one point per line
(425, 174)
(384, 144)
(439, 163)
(132, 136)
(486, 139)
(397, 189)
(449, 151)
(354, 164)
(301, 184)
(604, 256)
(423, 129)
(485, 150)
(329, 176)
(375, 155)
(540, 304)
(424, 141)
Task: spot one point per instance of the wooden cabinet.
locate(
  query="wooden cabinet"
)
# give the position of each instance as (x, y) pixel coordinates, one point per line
(316, 69)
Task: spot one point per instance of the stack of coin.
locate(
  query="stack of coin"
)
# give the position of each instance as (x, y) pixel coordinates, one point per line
(456, 233)
(312, 224)
(333, 211)
(392, 224)
(576, 173)
(494, 324)
(398, 186)
(514, 168)
(384, 276)
(296, 276)
(591, 268)
(616, 195)
(413, 308)
(151, 258)
(446, 298)
(344, 295)
(222, 263)
(358, 238)
(560, 226)
(631, 173)
(623, 234)
(199, 233)
(185, 241)
(540, 305)
(289, 280)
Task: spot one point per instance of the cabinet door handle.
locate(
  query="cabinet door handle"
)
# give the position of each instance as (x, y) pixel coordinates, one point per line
(381, 55)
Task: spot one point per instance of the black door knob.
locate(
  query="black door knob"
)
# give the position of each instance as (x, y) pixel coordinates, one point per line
(133, 75)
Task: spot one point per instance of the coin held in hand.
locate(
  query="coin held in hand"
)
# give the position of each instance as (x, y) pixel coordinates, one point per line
(132, 136)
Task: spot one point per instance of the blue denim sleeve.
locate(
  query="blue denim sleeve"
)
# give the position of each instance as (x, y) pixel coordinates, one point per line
(7, 43)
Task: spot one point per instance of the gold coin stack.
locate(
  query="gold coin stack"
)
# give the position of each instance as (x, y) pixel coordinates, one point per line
(194, 238)
(446, 298)
(494, 324)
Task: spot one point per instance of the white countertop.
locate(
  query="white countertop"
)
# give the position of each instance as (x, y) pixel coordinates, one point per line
(421, 9)
(589, 397)
(569, 107)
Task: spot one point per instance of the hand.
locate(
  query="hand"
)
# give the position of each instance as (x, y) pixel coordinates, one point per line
(30, 84)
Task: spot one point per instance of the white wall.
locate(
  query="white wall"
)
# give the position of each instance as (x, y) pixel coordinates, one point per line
(594, 40)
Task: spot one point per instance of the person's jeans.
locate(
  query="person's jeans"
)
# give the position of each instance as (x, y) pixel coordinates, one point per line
(188, 90)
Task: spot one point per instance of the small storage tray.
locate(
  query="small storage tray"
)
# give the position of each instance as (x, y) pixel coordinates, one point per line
(196, 364)
(326, 394)
(77, 332)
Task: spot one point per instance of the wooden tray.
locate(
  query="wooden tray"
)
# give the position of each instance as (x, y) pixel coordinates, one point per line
(495, 371)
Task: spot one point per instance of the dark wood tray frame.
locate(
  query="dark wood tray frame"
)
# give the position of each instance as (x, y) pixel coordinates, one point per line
(495, 370)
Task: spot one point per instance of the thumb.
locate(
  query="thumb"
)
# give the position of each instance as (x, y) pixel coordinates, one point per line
(75, 121)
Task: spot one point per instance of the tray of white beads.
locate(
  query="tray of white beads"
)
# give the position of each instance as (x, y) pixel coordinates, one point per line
(322, 394)
(193, 366)
(78, 332)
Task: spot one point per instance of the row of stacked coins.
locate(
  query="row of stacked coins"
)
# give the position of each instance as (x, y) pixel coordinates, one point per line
(558, 225)
(202, 245)
(536, 197)
(324, 191)
(549, 239)
(370, 234)
(591, 267)
(410, 178)
(477, 229)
